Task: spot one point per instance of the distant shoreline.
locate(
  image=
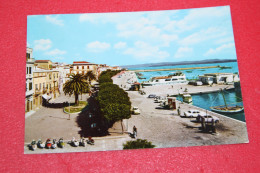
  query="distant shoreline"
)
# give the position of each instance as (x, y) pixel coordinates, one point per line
(172, 69)
(212, 61)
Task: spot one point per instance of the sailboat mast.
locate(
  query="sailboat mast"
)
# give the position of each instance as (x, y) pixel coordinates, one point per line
(223, 97)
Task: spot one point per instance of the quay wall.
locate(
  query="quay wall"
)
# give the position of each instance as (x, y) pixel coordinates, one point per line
(208, 112)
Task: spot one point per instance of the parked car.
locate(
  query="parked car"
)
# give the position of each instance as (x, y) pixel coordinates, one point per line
(152, 96)
(135, 110)
(207, 118)
(193, 113)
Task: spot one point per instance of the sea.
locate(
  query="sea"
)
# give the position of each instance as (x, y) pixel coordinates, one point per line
(233, 97)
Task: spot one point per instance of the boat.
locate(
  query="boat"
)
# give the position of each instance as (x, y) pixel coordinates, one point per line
(225, 108)
(187, 98)
(174, 78)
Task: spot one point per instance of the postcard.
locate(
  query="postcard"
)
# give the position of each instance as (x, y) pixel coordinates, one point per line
(132, 80)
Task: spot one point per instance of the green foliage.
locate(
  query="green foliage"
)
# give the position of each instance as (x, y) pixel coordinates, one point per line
(105, 76)
(139, 143)
(76, 85)
(114, 101)
(89, 76)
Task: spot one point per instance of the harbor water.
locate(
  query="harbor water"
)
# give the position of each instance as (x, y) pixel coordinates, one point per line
(190, 73)
(206, 100)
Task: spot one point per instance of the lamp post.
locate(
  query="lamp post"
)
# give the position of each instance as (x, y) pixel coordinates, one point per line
(69, 111)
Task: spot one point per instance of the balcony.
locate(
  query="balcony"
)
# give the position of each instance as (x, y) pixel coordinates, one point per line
(37, 92)
(29, 92)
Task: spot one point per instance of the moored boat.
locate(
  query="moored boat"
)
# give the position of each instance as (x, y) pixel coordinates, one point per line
(225, 108)
(174, 78)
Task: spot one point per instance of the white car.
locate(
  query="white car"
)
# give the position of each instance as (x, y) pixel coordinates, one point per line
(135, 110)
(193, 113)
(207, 118)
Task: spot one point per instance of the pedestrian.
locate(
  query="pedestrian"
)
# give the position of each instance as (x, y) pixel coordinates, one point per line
(134, 131)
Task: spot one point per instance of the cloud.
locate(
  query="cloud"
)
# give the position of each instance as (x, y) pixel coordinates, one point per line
(219, 49)
(54, 20)
(27, 44)
(183, 52)
(97, 46)
(56, 52)
(120, 45)
(202, 35)
(143, 51)
(42, 44)
(225, 40)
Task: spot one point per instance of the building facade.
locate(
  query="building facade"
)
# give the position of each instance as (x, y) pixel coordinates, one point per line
(29, 80)
(82, 67)
(44, 64)
(46, 82)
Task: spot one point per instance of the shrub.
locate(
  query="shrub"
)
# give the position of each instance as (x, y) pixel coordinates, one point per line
(139, 143)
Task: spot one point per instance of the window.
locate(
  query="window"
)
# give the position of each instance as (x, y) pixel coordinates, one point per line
(30, 70)
(30, 86)
(174, 79)
(26, 87)
(88, 67)
(47, 86)
(77, 67)
(57, 75)
(93, 125)
(53, 76)
(27, 56)
(36, 86)
(40, 86)
(50, 86)
(43, 85)
(82, 67)
(167, 79)
(50, 76)
(27, 70)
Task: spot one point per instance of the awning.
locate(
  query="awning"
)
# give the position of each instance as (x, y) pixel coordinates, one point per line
(46, 97)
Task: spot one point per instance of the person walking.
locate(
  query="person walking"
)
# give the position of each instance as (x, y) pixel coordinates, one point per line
(134, 131)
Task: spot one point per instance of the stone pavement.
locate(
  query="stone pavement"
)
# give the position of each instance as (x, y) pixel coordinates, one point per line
(54, 123)
(101, 144)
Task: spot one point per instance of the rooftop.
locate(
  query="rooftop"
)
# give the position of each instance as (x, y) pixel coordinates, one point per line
(42, 61)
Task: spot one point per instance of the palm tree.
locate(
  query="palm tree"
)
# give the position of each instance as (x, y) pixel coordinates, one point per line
(76, 85)
(89, 76)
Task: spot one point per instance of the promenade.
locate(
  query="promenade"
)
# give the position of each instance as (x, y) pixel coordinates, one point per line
(165, 128)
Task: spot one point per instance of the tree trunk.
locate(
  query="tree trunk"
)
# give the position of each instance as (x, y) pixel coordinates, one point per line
(76, 98)
(122, 126)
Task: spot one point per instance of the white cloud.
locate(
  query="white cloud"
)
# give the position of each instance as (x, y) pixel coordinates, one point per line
(97, 46)
(183, 52)
(202, 35)
(27, 44)
(56, 52)
(143, 51)
(225, 40)
(219, 49)
(120, 45)
(42, 44)
(54, 20)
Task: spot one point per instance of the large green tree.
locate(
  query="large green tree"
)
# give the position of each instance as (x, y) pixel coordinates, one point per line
(114, 101)
(76, 85)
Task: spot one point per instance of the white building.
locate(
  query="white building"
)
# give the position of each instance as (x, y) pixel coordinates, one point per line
(29, 80)
(219, 78)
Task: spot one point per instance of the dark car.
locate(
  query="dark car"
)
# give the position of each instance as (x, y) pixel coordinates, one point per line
(152, 96)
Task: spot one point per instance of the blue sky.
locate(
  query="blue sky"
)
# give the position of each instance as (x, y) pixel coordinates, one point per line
(133, 37)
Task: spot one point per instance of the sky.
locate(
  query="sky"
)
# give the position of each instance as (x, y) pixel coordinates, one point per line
(129, 38)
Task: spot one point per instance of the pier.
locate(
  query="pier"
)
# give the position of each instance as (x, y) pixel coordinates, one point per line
(173, 69)
(165, 128)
